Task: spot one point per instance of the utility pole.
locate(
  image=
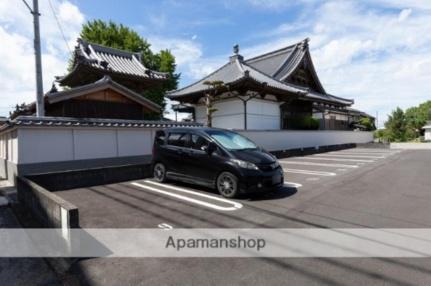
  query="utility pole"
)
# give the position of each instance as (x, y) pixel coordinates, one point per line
(40, 109)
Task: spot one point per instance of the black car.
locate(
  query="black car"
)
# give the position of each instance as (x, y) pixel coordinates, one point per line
(215, 158)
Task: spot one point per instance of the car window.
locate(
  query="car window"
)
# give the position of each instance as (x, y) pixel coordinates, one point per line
(231, 140)
(160, 137)
(198, 142)
(178, 139)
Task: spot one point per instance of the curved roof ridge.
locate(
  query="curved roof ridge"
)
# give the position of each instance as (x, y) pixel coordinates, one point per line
(201, 80)
(106, 49)
(276, 80)
(290, 63)
(274, 52)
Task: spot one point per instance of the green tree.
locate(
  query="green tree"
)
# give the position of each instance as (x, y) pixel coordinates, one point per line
(213, 88)
(122, 37)
(416, 118)
(368, 123)
(396, 126)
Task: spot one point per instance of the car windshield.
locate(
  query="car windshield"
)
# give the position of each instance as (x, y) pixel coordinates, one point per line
(231, 140)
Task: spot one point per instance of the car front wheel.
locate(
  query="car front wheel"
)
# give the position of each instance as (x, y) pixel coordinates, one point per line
(159, 172)
(227, 185)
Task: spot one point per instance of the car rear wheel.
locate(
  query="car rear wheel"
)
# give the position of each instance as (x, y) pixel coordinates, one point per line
(159, 172)
(227, 185)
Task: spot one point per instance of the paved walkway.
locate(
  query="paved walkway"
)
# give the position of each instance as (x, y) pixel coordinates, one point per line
(21, 271)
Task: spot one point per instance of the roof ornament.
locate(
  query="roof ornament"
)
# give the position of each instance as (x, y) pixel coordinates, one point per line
(53, 88)
(236, 49)
(304, 43)
(236, 56)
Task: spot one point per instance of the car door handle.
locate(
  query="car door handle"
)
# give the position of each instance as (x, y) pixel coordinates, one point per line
(182, 152)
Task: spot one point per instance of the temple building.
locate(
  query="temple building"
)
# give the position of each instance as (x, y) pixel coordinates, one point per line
(103, 83)
(276, 90)
(91, 62)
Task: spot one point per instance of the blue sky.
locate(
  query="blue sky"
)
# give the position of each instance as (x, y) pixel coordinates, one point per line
(377, 52)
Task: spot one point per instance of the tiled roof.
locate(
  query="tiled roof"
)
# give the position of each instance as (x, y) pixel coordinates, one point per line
(280, 64)
(113, 60)
(233, 72)
(90, 122)
(272, 63)
(271, 68)
(359, 112)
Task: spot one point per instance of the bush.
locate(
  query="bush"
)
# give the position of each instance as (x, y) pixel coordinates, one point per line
(304, 123)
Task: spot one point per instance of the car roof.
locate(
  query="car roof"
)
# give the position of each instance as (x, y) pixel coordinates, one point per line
(194, 129)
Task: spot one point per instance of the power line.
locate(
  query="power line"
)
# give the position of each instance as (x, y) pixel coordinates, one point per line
(59, 27)
(28, 6)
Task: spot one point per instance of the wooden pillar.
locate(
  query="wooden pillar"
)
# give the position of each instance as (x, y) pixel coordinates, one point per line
(245, 113)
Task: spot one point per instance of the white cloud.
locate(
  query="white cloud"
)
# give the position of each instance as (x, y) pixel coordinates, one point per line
(404, 14)
(185, 51)
(379, 57)
(16, 36)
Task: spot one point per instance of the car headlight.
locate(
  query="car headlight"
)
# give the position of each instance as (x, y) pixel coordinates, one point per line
(275, 165)
(245, 165)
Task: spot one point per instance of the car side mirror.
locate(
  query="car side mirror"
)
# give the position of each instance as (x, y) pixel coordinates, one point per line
(211, 148)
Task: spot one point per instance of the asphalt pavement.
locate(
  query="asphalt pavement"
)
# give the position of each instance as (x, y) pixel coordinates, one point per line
(353, 188)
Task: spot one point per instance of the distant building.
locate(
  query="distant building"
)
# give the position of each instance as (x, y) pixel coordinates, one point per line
(103, 83)
(427, 133)
(91, 62)
(104, 98)
(276, 90)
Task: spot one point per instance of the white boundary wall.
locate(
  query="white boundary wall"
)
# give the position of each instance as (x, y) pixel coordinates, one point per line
(280, 140)
(411, 146)
(39, 145)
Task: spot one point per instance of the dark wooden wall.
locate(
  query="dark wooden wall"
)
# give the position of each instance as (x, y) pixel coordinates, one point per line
(103, 104)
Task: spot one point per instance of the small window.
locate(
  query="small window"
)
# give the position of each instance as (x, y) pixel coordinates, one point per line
(199, 143)
(160, 137)
(178, 139)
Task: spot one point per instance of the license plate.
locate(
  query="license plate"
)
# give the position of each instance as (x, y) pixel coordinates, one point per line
(276, 179)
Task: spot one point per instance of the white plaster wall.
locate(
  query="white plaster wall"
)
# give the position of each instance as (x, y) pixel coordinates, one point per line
(133, 143)
(38, 145)
(229, 114)
(261, 114)
(289, 139)
(428, 134)
(45, 145)
(95, 144)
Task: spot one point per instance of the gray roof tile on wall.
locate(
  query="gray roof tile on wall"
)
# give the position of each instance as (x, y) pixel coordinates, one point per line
(92, 122)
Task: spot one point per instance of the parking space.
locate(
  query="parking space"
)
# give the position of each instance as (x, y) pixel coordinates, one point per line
(321, 166)
(389, 192)
(146, 203)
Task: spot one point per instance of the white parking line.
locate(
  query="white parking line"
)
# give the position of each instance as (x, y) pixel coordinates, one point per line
(333, 159)
(308, 172)
(318, 164)
(165, 226)
(369, 150)
(235, 205)
(352, 156)
(292, 184)
(363, 153)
